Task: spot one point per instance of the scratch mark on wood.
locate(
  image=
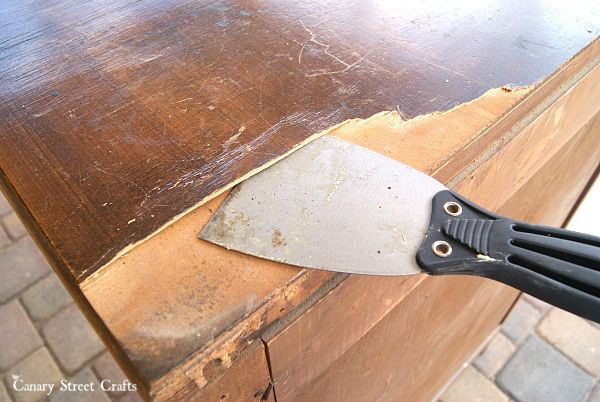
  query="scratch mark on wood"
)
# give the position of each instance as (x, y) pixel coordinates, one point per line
(233, 139)
(313, 39)
(146, 194)
(348, 67)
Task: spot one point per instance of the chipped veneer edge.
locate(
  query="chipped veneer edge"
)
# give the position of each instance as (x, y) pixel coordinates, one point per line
(89, 281)
(480, 159)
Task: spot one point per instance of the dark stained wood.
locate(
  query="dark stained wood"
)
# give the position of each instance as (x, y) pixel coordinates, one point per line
(117, 117)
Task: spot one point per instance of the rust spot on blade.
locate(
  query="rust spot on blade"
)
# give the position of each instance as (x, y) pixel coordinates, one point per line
(277, 239)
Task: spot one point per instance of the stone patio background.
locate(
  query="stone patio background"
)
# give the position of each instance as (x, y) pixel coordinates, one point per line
(541, 353)
(44, 338)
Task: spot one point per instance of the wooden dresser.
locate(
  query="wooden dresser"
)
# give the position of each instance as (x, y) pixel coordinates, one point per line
(124, 124)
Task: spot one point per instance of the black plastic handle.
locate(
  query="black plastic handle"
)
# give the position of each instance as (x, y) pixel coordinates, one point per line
(558, 266)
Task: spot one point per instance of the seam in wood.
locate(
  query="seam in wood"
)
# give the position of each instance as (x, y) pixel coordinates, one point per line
(272, 380)
(277, 326)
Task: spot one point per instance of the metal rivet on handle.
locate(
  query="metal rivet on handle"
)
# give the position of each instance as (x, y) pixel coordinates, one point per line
(452, 208)
(441, 248)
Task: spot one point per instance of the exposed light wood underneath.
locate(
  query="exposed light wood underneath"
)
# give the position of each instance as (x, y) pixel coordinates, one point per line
(176, 282)
(117, 118)
(93, 99)
(341, 349)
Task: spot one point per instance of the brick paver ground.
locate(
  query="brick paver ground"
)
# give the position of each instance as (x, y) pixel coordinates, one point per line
(539, 373)
(540, 353)
(44, 338)
(18, 336)
(37, 367)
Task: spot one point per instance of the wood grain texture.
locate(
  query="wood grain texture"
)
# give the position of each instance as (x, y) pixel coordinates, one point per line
(562, 179)
(544, 137)
(117, 117)
(504, 128)
(325, 332)
(543, 169)
(412, 352)
(176, 305)
(306, 348)
(246, 380)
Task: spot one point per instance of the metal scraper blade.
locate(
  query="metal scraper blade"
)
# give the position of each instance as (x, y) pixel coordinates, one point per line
(330, 205)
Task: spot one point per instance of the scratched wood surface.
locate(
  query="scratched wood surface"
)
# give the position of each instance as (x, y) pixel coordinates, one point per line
(178, 306)
(116, 117)
(211, 302)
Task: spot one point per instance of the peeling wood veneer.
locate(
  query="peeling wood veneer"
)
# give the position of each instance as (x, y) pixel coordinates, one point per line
(278, 288)
(533, 175)
(177, 282)
(117, 118)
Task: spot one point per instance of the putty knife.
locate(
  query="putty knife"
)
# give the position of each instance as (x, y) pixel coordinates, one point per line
(337, 206)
